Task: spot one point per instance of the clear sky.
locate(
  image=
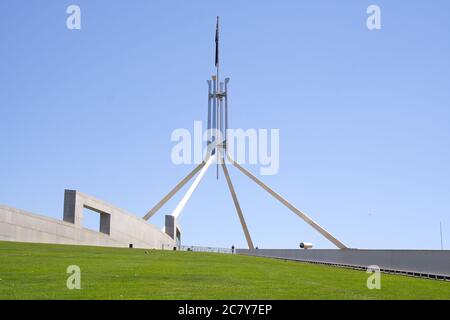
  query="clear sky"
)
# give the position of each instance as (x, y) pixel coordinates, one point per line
(364, 116)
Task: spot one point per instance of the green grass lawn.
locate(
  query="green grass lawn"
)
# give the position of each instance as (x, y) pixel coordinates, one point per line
(38, 271)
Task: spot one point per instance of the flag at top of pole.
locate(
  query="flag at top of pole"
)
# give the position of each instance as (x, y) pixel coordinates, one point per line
(217, 42)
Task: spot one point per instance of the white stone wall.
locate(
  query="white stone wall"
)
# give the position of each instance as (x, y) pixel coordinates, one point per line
(21, 226)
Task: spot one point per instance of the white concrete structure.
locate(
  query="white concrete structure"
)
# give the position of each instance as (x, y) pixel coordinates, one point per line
(118, 228)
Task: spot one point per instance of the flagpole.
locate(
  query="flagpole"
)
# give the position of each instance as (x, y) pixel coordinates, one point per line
(217, 113)
(218, 90)
(217, 52)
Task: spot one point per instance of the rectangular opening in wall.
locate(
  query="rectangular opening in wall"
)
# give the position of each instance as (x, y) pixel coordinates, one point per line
(96, 220)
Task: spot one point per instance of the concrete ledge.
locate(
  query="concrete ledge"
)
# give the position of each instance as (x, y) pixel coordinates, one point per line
(426, 263)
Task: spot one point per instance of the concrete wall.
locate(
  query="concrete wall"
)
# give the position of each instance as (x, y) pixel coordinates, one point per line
(172, 229)
(432, 262)
(118, 227)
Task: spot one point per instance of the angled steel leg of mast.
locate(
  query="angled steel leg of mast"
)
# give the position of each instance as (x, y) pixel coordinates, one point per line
(307, 219)
(192, 188)
(238, 207)
(174, 191)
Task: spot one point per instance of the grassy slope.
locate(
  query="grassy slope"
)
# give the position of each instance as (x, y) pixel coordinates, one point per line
(37, 271)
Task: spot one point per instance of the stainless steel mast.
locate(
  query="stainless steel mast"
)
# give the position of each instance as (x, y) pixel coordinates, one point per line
(217, 148)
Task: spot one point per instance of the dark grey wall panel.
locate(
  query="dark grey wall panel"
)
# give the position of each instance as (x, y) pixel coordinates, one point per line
(435, 262)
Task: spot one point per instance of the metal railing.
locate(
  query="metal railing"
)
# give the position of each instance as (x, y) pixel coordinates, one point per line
(207, 249)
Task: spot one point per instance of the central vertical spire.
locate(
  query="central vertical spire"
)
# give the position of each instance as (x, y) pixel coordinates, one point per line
(217, 109)
(218, 100)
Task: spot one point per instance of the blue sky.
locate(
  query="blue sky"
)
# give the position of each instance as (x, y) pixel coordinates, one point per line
(363, 115)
